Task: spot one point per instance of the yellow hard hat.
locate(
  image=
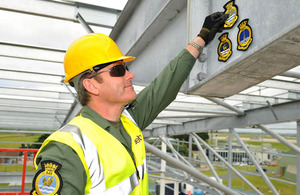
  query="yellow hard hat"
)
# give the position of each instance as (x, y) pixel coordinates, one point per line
(91, 50)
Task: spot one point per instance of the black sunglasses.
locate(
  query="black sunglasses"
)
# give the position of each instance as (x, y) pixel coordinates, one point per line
(115, 71)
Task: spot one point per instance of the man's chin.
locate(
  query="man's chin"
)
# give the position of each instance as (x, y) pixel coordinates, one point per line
(132, 97)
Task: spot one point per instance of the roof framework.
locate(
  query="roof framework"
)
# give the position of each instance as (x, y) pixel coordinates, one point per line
(34, 37)
(32, 46)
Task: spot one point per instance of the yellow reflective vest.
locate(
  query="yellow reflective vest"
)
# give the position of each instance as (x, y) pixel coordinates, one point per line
(109, 167)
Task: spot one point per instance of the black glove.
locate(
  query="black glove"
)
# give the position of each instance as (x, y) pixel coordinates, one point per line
(213, 23)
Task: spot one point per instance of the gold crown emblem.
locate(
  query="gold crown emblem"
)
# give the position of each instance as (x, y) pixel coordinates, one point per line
(243, 24)
(229, 5)
(223, 37)
(49, 167)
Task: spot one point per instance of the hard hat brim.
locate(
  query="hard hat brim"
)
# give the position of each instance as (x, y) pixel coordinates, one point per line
(123, 58)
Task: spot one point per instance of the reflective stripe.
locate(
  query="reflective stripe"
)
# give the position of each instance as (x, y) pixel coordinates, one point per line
(125, 187)
(96, 171)
(126, 113)
(142, 169)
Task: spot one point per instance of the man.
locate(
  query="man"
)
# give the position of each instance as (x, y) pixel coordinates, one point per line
(102, 151)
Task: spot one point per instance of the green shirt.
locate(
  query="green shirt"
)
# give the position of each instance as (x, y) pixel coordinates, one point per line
(144, 109)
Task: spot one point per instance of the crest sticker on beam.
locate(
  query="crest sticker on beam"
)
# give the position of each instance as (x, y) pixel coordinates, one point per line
(232, 9)
(244, 37)
(224, 48)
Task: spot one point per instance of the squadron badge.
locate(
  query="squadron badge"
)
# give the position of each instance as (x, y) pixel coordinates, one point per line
(47, 180)
(224, 48)
(244, 37)
(232, 10)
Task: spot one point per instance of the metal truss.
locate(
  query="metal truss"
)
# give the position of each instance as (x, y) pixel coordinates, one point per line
(33, 96)
(193, 176)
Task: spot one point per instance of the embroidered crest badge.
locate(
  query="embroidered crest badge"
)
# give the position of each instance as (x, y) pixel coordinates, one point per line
(232, 9)
(47, 180)
(244, 37)
(224, 48)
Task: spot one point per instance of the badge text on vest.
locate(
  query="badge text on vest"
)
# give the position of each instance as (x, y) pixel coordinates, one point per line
(245, 36)
(47, 180)
(138, 139)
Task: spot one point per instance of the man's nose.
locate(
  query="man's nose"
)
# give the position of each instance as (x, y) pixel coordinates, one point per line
(129, 75)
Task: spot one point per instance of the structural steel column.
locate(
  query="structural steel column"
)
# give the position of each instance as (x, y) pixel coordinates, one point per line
(225, 105)
(298, 160)
(206, 159)
(190, 148)
(280, 138)
(191, 170)
(176, 154)
(228, 165)
(176, 188)
(262, 173)
(163, 166)
(229, 157)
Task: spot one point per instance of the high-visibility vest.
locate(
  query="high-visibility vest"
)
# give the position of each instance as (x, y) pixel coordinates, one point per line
(108, 166)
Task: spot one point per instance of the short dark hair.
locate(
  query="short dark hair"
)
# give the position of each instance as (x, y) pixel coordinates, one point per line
(82, 94)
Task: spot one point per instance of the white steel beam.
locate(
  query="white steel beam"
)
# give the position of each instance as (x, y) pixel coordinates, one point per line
(30, 77)
(279, 84)
(191, 170)
(257, 99)
(227, 164)
(298, 159)
(31, 52)
(206, 159)
(229, 157)
(258, 167)
(285, 112)
(9, 91)
(95, 15)
(280, 138)
(224, 104)
(199, 107)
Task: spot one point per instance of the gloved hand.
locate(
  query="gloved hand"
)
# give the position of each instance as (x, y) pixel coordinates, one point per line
(213, 23)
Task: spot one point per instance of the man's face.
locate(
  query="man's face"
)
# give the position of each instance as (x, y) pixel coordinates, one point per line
(116, 90)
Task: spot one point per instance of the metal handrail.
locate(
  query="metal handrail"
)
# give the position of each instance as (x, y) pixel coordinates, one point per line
(34, 151)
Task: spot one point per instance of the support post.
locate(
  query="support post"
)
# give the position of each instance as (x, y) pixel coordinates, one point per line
(262, 173)
(83, 23)
(206, 159)
(229, 157)
(228, 165)
(225, 105)
(177, 154)
(298, 160)
(280, 138)
(24, 172)
(190, 147)
(163, 166)
(188, 169)
(176, 188)
(70, 91)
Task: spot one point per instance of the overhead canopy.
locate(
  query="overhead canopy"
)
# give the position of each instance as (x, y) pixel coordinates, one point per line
(34, 37)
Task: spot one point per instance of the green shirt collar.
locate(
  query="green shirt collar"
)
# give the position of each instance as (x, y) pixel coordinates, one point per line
(121, 135)
(89, 113)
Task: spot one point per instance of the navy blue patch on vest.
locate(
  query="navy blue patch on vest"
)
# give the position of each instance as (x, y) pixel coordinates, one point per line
(232, 9)
(244, 37)
(224, 48)
(47, 180)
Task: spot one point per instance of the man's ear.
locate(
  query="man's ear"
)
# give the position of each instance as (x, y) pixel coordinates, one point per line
(91, 86)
